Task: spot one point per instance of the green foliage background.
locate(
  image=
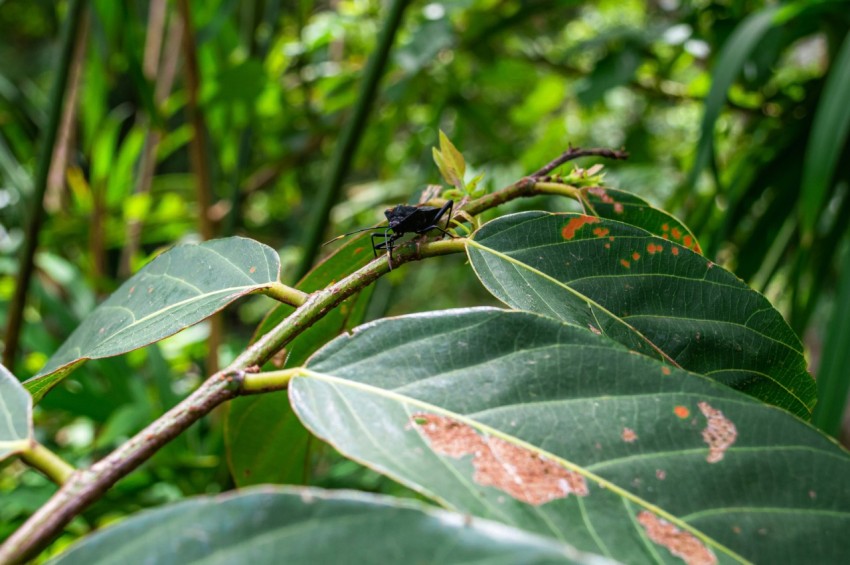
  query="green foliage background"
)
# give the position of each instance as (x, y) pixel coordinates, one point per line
(730, 110)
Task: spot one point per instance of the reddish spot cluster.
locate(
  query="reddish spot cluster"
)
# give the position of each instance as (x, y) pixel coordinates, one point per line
(575, 224)
(518, 471)
(606, 198)
(682, 544)
(653, 248)
(677, 235)
(681, 411)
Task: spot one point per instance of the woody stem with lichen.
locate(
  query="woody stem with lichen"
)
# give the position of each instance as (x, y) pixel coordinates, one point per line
(85, 486)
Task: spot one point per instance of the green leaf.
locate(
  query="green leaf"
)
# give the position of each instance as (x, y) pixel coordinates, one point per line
(450, 162)
(287, 525)
(179, 288)
(626, 207)
(265, 442)
(654, 296)
(828, 138)
(15, 415)
(536, 423)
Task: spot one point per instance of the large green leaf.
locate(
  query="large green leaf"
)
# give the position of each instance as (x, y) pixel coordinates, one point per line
(179, 288)
(286, 525)
(265, 442)
(653, 295)
(15, 415)
(542, 425)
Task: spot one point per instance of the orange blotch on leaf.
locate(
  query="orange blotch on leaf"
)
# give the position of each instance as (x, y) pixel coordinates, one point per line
(665, 370)
(600, 232)
(665, 227)
(252, 270)
(628, 435)
(575, 224)
(607, 246)
(625, 263)
(676, 233)
(688, 241)
(618, 208)
(675, 251)
(635, 255)
(681, 411)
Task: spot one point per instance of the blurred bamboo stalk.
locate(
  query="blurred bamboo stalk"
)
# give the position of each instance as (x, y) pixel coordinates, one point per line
(199, 153)
(33, 228)
(162, 71)
(346, 148)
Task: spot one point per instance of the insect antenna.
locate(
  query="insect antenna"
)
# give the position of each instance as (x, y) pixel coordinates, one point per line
(351, 233)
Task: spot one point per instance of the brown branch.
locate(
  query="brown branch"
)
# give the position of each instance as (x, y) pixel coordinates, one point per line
(574, 153)
(86, 486)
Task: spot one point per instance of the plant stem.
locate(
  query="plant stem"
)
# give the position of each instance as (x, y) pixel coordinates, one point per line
(57, 96)
(286, 294)
(351, 135)
(86, 486)
(53, 466)
(268, 381)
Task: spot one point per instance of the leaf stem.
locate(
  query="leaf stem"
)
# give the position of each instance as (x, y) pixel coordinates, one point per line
(286, 294)
(268, 381)
(54, 467)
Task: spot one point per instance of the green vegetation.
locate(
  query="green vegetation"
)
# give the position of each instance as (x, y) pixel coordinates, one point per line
(609, 357)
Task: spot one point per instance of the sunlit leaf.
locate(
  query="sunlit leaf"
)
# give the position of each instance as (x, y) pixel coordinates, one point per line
(15, 415)
(542, 425)
(179, 288)
(280, 525)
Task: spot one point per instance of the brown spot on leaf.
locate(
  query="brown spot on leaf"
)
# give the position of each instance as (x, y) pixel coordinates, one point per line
(720, 433)
(683, 545)
(628, 435)
(681, 411)
(635, 255)
(665, 371)
(594, 329)
(625, 263)
(607, 246)
(523, 474)
(575, 224)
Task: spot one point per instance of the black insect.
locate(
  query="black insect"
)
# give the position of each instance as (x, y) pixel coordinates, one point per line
(404, 219)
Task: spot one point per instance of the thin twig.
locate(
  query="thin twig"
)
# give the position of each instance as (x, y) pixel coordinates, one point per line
(574, 153)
